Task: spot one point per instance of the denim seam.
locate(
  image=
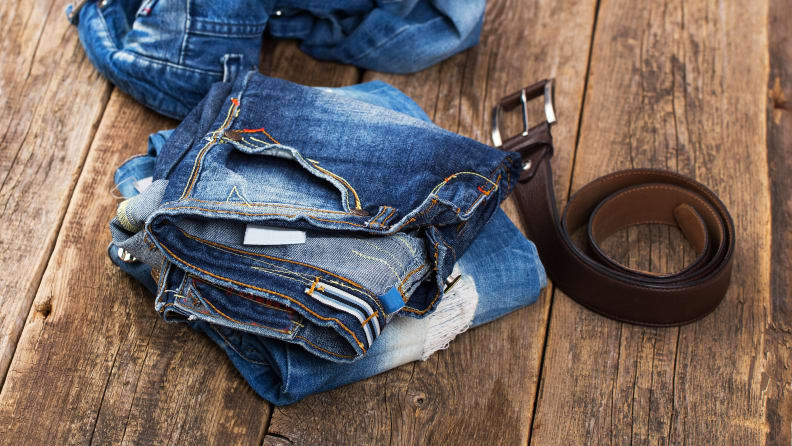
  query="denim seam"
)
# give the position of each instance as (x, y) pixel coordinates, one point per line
(259, 214)
(359, 289)
(417, 311)
(233, 109)
(453, 251)
(250, 324)
(388, 253)
(315, 164)
(239, 353)
(369, 318)
(197, 163)
(370, 50)
(186, 27)
(301, 278)
(384, 221)
(168, 64)
(236, 293)
(311, 344)
(100, 14)
(274, 293)
(241, 253)
(405, 242)
(221, 35)
(262, 204)
(373, 220)
(205, 20)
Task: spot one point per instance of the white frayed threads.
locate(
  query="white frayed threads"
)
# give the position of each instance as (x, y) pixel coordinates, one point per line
(453, 315)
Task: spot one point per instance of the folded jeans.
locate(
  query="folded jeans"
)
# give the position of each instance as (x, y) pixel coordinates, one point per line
(500, 272)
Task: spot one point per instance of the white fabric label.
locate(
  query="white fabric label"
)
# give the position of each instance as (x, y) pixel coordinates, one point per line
(268, 235)
(141, 185)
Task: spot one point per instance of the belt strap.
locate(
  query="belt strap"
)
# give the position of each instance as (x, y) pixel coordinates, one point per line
(606, 205)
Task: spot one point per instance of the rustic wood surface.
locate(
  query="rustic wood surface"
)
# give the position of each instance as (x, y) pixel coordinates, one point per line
(700, 87)
(51, 101)
(482, 389)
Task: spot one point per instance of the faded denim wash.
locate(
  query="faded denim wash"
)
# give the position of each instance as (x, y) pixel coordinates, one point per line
(500, 272)
(389, 203)
(167, 53)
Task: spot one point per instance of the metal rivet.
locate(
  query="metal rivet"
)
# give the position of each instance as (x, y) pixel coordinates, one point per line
(450, 282)
(125, 256)
(103, 3)
(278, 13)
(232, 135)
(527, 165)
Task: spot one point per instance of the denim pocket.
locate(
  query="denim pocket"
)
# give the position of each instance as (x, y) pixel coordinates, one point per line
(283, 175)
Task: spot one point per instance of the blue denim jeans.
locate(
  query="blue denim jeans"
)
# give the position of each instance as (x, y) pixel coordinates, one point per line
(167, 53)
(500, 272)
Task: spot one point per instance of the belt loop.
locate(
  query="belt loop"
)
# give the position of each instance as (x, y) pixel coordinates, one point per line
(232, 65)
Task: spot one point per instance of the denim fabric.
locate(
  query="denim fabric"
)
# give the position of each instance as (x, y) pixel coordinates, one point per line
(389, 203)
(500, 272)
(167, 53)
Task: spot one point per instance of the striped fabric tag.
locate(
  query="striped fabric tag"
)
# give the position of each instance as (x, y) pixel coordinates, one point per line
(350, 304)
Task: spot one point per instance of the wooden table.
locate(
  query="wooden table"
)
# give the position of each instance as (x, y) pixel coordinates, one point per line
(694, 86)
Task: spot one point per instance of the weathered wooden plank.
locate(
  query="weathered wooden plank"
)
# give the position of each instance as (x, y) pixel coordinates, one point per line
(670, 86)
(481, 390)
(121, 374)
(94, 362)
(777, 355)
(51, 101)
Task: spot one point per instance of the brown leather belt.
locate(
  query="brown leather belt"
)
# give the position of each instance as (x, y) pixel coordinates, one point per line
(606, 205)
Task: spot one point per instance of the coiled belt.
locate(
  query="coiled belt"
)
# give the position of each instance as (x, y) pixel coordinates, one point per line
(606, 205)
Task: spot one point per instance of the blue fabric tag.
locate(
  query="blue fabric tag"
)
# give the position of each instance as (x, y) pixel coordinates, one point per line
(392, 300)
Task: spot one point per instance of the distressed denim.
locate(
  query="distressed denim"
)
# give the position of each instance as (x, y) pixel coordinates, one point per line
(388, 203)
(500, 272)
(167, 53)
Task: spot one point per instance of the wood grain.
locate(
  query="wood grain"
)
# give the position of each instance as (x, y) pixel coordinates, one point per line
(94, 362)
(777, 355)
(670, 87)
(481, 390)
(51, 101)
(123, 375)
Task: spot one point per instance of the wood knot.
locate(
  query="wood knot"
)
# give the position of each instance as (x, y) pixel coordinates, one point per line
(419, 399)
(44, 308)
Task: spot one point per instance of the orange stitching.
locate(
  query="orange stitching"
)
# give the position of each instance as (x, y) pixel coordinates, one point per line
(335, 221)
(405, 298)
(373, 221)
(320, 348)
(343, 181)
(480, 197)
(274, 293)
(485, 192)
(260, 214)
(313, 286)
(279, 330)
(453, 251)
(240, 251)
(411, 273)
(199, 158)
(388, 217)
(372, 315)
(228, 290)
(273, 205)
(257, 131)
(413, 310)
